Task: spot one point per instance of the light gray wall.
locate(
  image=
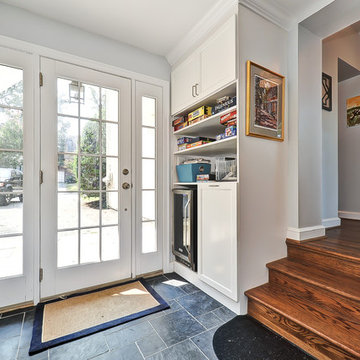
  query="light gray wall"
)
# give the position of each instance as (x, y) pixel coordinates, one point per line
(309, 124)
(349, 150)
(263, 163)
(23, 25)
(346, 46)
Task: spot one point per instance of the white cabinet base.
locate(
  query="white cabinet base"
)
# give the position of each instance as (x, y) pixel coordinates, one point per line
(217, 237)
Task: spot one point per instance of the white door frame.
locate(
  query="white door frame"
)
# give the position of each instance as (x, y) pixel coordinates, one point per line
(37, 51)
(20, 288)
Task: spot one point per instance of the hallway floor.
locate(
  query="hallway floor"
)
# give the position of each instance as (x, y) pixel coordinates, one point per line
(184, 331)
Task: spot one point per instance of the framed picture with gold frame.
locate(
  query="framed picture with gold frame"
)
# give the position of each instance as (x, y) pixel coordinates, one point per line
(265, 92)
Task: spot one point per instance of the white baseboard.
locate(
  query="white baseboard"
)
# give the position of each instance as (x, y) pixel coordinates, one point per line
(349, 215)
(193, 277)
(331, 222)
(305, 233)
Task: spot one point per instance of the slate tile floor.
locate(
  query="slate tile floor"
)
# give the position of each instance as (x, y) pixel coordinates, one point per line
(185, 331)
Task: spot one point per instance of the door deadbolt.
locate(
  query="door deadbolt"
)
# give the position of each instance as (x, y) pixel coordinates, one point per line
(126, 186)
(125, 171)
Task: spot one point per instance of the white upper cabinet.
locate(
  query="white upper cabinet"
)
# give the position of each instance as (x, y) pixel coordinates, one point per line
(218, 59)
(209, 68)
(183, 83)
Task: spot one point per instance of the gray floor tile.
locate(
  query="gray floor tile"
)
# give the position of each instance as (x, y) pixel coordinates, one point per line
(174, 306)
(187, 287)
(129, 335)
(24, 355)
(151, 345)
(9, 348)
(27, 328)
(166, 289)
(10, 326)
(224, 314)
(204, 341)
(128, 352)
(176, 327)
(198, 303)
(184, 350)
(209, 320)
(85, 348)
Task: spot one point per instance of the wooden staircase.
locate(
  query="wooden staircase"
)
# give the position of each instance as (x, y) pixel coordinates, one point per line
(313, 298)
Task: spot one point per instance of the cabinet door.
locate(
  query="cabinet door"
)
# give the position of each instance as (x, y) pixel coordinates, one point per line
(217, 237)
(218, 59)
(183, 78)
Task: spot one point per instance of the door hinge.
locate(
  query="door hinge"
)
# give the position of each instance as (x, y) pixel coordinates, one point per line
(41, 177)
(41, 274)
(41, 79)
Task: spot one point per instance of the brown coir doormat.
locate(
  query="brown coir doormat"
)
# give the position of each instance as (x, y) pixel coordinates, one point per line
(63, 320)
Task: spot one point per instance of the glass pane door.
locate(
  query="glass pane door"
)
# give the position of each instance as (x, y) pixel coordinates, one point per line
(18, 201)
(86, 212)
(88, 173)
(11, 171)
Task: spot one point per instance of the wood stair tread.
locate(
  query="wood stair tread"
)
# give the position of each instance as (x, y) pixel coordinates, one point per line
(350, 286)
(343, 333)
(330, 247)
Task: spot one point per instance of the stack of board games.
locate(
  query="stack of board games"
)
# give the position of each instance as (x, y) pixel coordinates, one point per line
(228, 120)
(187, 142)
(224, 103)
(180, 123)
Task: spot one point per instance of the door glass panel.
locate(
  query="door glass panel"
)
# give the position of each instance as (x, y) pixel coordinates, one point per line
(110, 173)
(67, 172)
(90, 107)
(68, 134)
(148, 174)
(148, 141)
(110, 243)
(68, 249)
(68, 217)
(110, 139)
(149, 242)
(11, 171)
(89, 136)
(90, 209)
(88, 170)
(67, 105)
(110, 104)
(148, 111)
(148, 205)
(89, 246)
(110, 207)
(148, 144)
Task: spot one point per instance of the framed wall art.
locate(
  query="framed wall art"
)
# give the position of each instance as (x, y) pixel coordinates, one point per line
(264, 103)
(353, 111)
(326, 99)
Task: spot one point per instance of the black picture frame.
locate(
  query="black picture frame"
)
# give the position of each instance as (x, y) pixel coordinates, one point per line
(326, 92)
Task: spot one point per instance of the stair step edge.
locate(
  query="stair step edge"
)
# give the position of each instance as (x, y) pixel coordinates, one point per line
(249, 294)
(323, 285)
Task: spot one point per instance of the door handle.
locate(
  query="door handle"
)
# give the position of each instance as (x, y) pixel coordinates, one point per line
(196, 89)
(126, 186)
(192, 90)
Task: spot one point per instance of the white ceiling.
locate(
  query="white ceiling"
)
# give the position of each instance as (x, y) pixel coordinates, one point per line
(153, 25)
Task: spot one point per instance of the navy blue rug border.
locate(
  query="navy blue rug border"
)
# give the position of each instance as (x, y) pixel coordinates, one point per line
(37, 346)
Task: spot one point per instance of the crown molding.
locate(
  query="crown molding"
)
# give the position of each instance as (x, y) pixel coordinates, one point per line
(214, 17)
(271, 11)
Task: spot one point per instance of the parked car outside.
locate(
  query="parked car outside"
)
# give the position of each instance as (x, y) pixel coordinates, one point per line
(11, 185)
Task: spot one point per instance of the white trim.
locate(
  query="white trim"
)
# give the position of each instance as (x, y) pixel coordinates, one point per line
(352, 215)
(193, 277)
(43, 51)
(331, 222)
(305, 233)
(207, 24)
(269, 11)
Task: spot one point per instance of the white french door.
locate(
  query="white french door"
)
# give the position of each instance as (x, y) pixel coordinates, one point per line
(18, 204)
(86, 195)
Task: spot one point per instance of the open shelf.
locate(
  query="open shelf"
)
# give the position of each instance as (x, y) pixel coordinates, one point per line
(208, 127)
(225, 146)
